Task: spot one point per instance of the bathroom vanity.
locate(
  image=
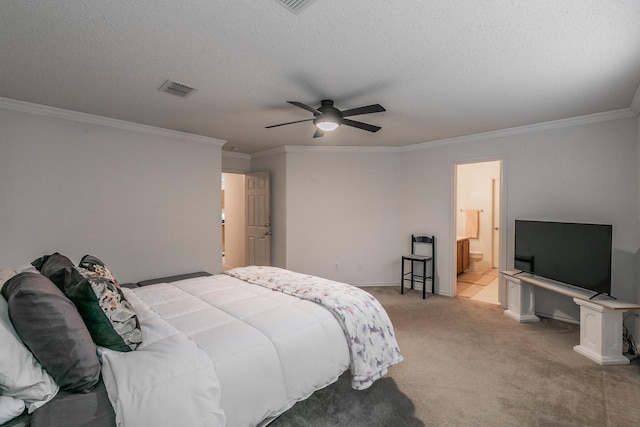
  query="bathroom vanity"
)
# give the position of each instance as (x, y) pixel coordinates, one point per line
(463, 254)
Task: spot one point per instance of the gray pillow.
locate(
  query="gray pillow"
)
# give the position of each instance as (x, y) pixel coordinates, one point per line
(55, 267)
(51, 327)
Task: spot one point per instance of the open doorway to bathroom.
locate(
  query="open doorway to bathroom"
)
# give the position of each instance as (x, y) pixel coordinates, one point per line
(477, 225)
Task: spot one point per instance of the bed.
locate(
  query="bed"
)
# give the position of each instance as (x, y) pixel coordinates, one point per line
(234, 349)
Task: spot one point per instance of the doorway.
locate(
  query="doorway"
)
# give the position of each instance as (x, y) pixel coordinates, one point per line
(478, 230)
(233, 221)
(246, 224)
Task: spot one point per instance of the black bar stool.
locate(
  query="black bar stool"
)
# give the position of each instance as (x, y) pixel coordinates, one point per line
(411, 276)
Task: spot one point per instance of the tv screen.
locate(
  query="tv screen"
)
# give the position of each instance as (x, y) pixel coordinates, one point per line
(573, 253)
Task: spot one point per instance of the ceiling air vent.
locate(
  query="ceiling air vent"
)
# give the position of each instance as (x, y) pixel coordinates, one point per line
(177, 89)
(295, 6)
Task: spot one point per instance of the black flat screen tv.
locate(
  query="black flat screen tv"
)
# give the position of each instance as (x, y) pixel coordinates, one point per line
(573, 253)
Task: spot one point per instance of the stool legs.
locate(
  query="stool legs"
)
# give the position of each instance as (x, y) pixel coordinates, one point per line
(402, 277)
(412, 262)
(412, 279)
(424, 279)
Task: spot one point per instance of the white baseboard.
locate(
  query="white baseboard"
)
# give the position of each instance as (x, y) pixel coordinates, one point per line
(364, 285)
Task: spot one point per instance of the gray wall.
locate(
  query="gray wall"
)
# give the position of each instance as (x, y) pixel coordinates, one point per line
(580, 170)
(147, 200)
(360, 207)
(343, 214)
(144, 200)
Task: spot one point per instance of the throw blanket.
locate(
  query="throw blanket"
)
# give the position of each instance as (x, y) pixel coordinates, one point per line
(369, 332)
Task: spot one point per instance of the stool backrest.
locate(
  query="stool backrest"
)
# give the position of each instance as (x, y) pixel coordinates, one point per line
(422, 245)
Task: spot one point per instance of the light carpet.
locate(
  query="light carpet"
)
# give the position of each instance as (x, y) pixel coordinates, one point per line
(466, 364)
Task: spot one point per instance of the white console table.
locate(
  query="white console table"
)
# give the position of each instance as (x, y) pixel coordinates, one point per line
(600, 317)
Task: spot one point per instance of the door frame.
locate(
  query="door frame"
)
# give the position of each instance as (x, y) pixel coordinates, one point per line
(502, 158)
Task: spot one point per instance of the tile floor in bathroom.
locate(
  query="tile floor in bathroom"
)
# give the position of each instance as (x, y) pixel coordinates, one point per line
(479, 285)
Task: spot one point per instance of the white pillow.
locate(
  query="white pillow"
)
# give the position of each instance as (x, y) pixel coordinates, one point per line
(21, 376)
(5, 274)
(10, 407)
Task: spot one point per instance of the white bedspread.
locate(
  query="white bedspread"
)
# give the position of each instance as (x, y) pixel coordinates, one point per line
(144, 386)
(250, 354)
(367, 326)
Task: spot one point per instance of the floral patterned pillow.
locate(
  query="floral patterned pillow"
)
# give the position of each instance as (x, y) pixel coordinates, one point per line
(109, 317)
(97, 267)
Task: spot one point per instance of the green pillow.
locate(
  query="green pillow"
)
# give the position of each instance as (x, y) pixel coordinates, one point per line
(109, 317)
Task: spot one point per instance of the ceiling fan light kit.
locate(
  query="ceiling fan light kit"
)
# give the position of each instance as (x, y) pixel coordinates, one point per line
(328, 118)
(326, 125)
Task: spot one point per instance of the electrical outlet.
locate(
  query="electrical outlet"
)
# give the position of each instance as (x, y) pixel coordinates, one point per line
(336, 266)
(360, 267)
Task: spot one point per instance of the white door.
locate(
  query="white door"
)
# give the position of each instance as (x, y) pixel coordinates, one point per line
(258, 218)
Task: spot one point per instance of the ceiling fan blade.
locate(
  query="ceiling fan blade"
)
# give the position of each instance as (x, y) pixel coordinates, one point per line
(319, 133)
(360, 125)
(305, 107)
(288, 123)
(375, 108)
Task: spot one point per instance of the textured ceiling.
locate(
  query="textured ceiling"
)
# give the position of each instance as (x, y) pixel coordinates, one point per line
(441, 68)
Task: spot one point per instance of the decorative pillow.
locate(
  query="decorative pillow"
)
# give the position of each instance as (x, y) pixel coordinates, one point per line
(21, 376)
(10, 407)
(55, 267)
(109, 317)
(50, 326)
(94, 265)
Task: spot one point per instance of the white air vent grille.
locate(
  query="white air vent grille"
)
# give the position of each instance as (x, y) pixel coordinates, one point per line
(177, 89)
(295, 6)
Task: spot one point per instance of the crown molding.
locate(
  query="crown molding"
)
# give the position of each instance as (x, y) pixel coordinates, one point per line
(234, 155)
(47, 111)
(269, 152)
(520, 130)
(323, 149)
(339, 149)
(623, 113)
(43, 110)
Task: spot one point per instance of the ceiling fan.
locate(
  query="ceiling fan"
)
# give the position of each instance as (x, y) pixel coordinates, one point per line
(327, 117)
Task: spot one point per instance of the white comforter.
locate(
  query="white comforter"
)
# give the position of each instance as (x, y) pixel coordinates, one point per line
(244, 354)
(366, 325)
